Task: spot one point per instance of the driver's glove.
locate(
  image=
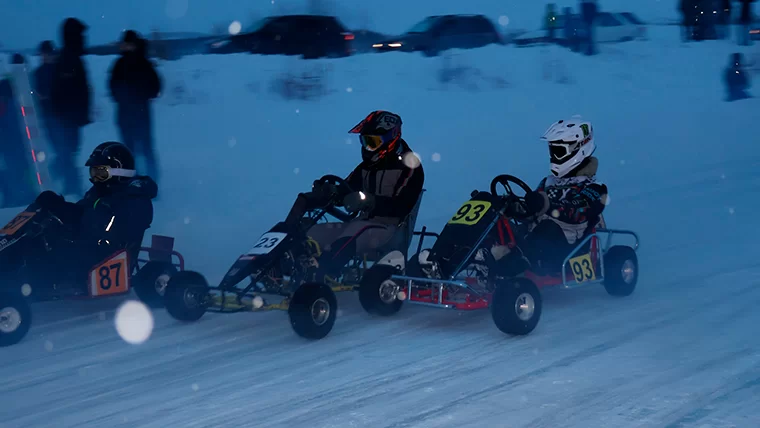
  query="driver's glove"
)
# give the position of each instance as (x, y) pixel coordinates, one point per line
(50, 201)
(358, 201)
(536, 202)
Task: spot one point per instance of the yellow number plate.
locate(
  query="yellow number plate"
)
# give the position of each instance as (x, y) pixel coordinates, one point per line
(470, 213)
(583, 269)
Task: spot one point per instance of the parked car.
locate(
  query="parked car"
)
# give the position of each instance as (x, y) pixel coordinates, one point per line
(312, 36)
(610, 28)
(435, 34)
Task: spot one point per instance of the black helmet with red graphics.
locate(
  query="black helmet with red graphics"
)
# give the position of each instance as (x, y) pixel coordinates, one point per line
(379, 134)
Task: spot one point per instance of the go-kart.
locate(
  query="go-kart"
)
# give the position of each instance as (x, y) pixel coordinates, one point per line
(447, 275)
(282, 274)
(30, 274)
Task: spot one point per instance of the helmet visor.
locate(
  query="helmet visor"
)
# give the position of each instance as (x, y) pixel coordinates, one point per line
(371, 142)
(561, 151)
(101, 173)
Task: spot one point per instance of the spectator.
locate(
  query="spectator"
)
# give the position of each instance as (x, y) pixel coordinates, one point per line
(551, 22)
(736, 79)
(134, 82)
(724, 19)
(70, 101)
(745, 20)
(589, 10)
(571, 30)
(688, 14)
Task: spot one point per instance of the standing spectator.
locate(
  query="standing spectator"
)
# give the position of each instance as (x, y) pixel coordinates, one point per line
(724, 19)
(688, 11)
(589, 9)
(745, 20)
(42, 82)
(736, 79)
(551, 22)
(134, 82)
(571, 29)
(70, 100)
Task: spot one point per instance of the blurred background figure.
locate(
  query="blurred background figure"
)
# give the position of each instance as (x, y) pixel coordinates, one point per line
(724, 19)
(571, 29)
(736, 79)
(589, 9)
(688, 18)
(550, 22)
(42, 82)
(70, 101)
(745, 20)
(133, 83)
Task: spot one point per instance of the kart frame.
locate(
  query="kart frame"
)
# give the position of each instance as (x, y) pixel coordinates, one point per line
(476, 299)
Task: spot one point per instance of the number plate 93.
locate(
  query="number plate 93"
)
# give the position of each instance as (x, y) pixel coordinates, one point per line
(470, 213)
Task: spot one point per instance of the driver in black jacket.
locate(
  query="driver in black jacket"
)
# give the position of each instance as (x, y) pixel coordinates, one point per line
(113, 215)
(386, 187)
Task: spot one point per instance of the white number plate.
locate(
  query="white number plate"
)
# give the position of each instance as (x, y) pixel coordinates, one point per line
(267, 242)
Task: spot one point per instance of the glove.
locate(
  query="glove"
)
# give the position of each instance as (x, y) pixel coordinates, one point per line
(358, 201)
(50, 201)
(536, 202)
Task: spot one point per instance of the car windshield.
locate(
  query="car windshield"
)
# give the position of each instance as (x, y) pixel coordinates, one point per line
(422, 26)
(258, 25)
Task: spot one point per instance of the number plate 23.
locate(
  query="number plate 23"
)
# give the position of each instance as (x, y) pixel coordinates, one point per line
(470, 213)
(266, 243)
(583, 269)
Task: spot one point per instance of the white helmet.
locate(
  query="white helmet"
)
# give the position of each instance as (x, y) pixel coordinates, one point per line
(570, 143)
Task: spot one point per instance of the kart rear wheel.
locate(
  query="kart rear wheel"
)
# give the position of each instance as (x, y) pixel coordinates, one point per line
(621, 271)
(378, 292)
(15, 318)
(516, 306)
(186, 296)
(312, 310)
(150, 282)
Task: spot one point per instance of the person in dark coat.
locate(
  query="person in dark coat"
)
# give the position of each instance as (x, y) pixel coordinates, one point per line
(687, 9)
(589, 10)
(745, 20)
(571, 29)
(134, 82)
(736, 79)
(724, 19)
(42, 82)
(113, 215)
(70, 101)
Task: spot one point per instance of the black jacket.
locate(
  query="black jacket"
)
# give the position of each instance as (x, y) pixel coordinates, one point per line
(70, 89)
(133, 83)
(395, 185)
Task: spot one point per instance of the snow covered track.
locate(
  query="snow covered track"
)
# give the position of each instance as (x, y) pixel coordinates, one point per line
(670, 354)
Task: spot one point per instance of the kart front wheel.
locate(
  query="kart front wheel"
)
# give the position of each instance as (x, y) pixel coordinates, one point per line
(312, 310)
(621, 271)
(516, 306)
(15, 318)
(186, 296)
(378, 292)
(150, 282)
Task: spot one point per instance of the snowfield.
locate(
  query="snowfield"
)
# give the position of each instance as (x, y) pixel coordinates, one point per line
(681, 166)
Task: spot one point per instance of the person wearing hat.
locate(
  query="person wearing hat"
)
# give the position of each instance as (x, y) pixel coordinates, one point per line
(70, 101)
(133, 83)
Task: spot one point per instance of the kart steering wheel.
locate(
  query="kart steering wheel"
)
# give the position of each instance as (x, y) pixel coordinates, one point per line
(341, 188)
(504, 180)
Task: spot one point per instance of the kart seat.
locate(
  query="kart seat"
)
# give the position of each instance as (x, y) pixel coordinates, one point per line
(402, 239)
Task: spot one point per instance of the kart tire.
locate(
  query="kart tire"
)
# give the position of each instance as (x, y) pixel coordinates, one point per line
(378, 292)
(516, 306)
(621, 271)
(150, 282)
(312, 310)
(15, 318)
(185, 296)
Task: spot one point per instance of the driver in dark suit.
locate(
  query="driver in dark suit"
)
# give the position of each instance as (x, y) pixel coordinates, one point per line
(385, 188)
